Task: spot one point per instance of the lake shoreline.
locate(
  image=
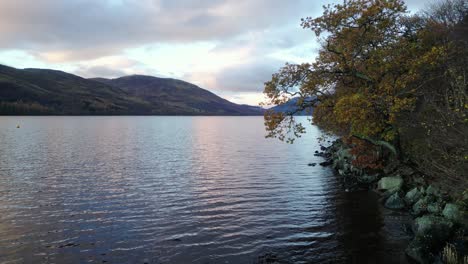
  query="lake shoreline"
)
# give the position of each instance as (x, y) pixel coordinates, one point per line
(437, 219)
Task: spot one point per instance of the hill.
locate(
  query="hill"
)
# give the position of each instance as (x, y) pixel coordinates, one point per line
(51, 92)
(292, 106)
(176, 96)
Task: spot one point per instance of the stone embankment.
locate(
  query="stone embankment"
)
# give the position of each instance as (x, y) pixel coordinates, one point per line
(439, 218)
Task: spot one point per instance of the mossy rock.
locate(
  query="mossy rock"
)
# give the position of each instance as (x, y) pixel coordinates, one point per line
(432, 232)
(435, 207)
(413, 196)
(388, 183)
(437, 225)
(453, 212)
(395, 202)
(432, 190)
(421, 205)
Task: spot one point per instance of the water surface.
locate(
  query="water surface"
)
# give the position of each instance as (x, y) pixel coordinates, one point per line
(178, 190)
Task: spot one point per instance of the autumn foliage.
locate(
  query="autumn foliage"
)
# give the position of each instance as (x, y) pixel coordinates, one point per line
(385, 78)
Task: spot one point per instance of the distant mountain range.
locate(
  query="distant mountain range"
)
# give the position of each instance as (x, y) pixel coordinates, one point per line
(291, 106)
(51, 92)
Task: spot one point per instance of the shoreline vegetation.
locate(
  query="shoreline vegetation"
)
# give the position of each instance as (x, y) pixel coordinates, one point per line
(392, 86)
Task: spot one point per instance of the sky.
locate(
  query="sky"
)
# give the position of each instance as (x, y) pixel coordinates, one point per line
(230, 47)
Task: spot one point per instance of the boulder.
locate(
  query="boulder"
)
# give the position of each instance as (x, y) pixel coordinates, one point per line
(388, 183)
(453, 212)
(389, 193)
(364, 178)
(325, 163)
(437, 225)
(432, 233)
(413, 196)
(432, 190)
(435, 207)
(341, 159)
(395, 202)
(420, 206)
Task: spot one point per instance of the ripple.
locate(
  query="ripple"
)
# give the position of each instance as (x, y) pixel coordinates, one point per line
(169, 190)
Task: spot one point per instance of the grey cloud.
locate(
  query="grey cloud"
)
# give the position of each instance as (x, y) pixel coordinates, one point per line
(104, 28)
(248, 77)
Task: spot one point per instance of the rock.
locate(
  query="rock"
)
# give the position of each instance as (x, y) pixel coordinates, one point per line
(434, 208)
(389, 193)
(453, 212)
(420, 206)
(341, 158)
(395, 202)
(432, 190)
(412, 196)
(312, 164)
(419, 180)
(405, 171)
(437, 225)
(432, 233)
(323, 148)
(364, 178)
(325, 163)
(387, 183)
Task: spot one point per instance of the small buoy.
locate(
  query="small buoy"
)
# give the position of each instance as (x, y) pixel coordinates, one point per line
(18, 126)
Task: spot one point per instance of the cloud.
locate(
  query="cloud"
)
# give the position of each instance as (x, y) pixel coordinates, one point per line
(86, 29)
(241, 78)
(112, 67)
(100, 71)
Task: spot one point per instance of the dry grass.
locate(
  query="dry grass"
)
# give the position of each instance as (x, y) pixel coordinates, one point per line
(450, 255)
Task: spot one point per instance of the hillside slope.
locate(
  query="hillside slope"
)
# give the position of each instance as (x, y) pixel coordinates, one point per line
(51, 92)
(176, 96)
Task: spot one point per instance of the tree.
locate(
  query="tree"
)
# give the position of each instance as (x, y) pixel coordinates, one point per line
(373, 71)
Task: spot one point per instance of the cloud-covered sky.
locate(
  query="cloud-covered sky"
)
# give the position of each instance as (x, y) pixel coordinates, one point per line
(230, 47)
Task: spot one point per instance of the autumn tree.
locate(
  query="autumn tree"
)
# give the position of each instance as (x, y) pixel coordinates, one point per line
(372, 72)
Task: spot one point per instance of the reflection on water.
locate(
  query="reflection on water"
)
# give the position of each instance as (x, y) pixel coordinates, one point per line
(178, 190)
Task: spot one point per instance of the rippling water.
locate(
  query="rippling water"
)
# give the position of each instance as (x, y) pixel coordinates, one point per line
(178, 190)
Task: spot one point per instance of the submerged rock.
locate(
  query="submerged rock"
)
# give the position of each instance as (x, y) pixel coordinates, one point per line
(388, 183)
(395, 202)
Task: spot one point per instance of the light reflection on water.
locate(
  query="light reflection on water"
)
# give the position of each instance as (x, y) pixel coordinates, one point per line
(176, 190)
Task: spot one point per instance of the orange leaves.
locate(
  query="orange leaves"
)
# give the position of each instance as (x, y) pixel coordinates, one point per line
(366, 155)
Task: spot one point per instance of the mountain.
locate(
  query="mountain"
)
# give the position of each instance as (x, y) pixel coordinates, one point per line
(292, 106)
(176, 96)
(51, 92)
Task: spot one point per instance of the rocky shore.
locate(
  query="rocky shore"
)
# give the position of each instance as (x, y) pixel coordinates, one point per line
(440, 219)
